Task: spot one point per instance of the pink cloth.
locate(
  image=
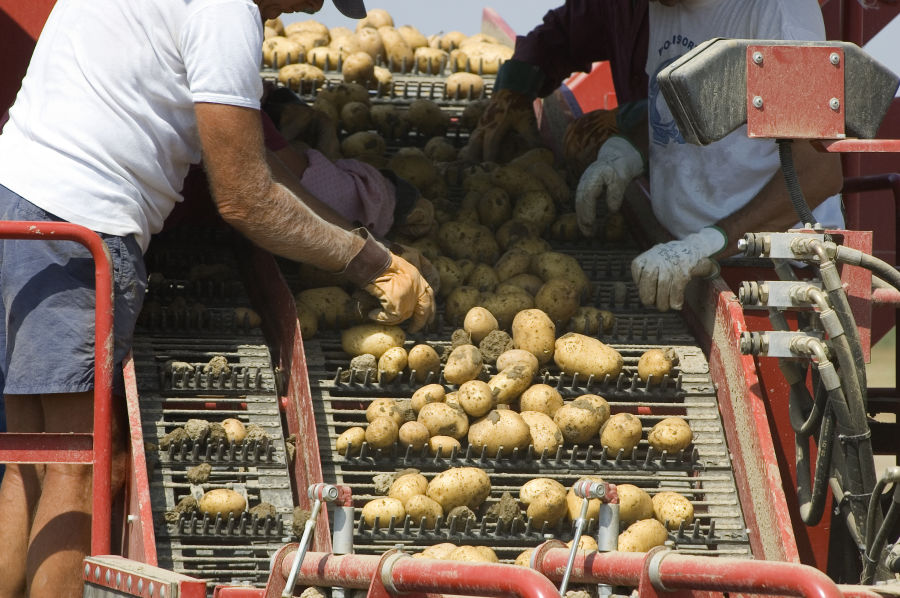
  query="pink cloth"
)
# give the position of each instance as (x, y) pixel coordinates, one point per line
(353, 189)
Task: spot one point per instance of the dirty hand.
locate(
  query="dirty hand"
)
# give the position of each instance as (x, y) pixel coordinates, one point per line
(662, 272)
(422, 264)
(617, 163)
(403, 293)
(507, 111)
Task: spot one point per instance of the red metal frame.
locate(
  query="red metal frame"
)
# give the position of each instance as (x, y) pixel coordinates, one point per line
(115, 575)
(57, 448)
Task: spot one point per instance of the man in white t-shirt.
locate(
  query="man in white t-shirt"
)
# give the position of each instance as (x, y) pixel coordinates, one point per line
(709, 196)
(120, 97)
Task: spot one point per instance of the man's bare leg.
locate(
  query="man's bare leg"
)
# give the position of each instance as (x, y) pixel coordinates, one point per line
(18, 497)
(61, 532)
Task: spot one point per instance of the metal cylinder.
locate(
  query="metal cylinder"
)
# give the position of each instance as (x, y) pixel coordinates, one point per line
(342, 535)
(608, 528)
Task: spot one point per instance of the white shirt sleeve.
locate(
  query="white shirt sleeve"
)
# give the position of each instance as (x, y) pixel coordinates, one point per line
(221, 45)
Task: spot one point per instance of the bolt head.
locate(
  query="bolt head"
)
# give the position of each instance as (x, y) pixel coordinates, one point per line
(757, 58)
(742, 244)
(834, 58)
(757, 102)
(834, 103)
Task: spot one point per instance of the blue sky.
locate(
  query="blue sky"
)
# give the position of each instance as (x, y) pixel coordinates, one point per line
(430, 17)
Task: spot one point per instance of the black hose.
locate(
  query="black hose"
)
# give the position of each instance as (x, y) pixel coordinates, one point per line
(812, 500)
(805, 424)
(870, 561)
(793, 183)
(883, 269)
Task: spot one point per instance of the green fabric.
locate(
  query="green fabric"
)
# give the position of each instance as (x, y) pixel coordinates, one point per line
(519, 76)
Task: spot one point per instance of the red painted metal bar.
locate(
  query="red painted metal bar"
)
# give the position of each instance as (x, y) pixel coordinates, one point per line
(841, 146)
(46, 448)
(406, 574)
(139, 541)
(688, 572)
(101, 523)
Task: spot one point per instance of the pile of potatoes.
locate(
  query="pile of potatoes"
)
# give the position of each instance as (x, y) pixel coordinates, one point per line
(231, 430)
(503, 413)
(376, 42)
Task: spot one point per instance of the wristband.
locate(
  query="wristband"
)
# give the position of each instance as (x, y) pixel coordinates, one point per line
(369, 262)
(519, 76)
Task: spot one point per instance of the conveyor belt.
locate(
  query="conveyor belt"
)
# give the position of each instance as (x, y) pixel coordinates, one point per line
(703, 474)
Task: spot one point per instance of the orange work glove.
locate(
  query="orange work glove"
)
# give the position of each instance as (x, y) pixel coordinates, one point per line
(403, 293)
(422, 264)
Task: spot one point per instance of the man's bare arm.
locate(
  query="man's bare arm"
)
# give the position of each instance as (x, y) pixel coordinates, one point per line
(771, 210)
(249, 199)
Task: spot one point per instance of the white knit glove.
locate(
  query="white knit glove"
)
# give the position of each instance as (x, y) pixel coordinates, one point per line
(617, 163)
(662, 272)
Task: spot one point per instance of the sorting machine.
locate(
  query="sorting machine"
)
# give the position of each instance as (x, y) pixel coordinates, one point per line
(741, 378)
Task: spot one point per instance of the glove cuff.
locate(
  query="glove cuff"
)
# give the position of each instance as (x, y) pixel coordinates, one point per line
(620, 149)
(369, 262)
(713, 240)
(522, 77)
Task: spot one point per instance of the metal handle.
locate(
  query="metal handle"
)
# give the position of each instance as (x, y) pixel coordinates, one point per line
(586, 490)
(318, 493)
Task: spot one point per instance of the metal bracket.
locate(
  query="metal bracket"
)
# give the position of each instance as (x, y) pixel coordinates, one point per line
(777, 245)
(773, 343)
(772, 293)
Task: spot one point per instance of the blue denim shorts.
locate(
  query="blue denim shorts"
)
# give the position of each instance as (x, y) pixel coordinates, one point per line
(47, 307)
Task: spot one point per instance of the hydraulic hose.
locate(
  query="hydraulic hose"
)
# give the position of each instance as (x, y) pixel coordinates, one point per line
(793, 183)
(881, 268)
(875, 542)
(811, 497)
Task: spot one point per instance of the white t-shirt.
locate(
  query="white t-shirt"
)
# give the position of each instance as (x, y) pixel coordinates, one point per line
(103, 129)
(694, 186)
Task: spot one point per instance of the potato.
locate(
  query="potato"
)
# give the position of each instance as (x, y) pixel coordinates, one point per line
(384, 408)
(464, 240)
(517, 357)
(473, 554)
(222, 501)
(504, 306)
(475, 398)
(479, 322)
(598, 403)
(480, 57)
(279, 51)
(672, 509)
(493, 205)
(408, 485)
(440, 150)
(565, 228)
(655, 364)
(582, 356)
(371, 338)
(389, 121)
(359, 67)
(342, 93)
(309, 324)
(276, 25)
(326, 107)
(500, 432)
(423, 360)
(533, 331)
(442, 446)
(551, 264)
(442, 419)
(555, 184)
(348, 45)
(542, 398)
(460, 486)
(533, 245)
(585, 543)
(369, 41)
(579, 421)
(524, 558)
(621, 432)
(509, 383)
(671, 434)
(355, 117)
(391, 364)
(301, 77)
(414, 435)
(307, 25)
(375, 18)
(332, 306)
(591, 321)
(462, 86)
(459, 302)
(545, 434)
(536, 207)
(514, 230)
(384, 82)
(324, 57)
(350, 441)
(415, 168)
(362, 142)
(516, 181)
(546, 501)
(397, 53)
(464, 364)
(430, 61)
(379, 512)
(573, 502)
(642, 535)
(439, 551)
(482, 278)
(423, 510)
(634, 504)
(307, 40)
(512, 263)
(558, 298)
(430, 393)
(427, 117)
(529, 283)
(234, 430)
(382, 432)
